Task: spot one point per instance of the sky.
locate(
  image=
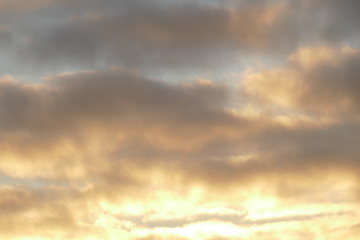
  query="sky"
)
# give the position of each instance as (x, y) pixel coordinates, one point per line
(179, 119)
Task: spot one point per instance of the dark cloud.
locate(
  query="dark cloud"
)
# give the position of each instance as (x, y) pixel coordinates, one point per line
(6, 38)
(6, 5)
(336, 20)
(138, 35)
(167, 36)
(112, 124)
(117, 106)
(121, 122)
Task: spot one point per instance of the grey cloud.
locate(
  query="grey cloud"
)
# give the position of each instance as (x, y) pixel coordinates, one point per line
(223, 217)
(6, 5)
(337, 19)
(293, 218)
(330, 84)
(6, 37)
(160, 35)
(78, 107)
(176, 128)
(146, 124)
(115, 137)
(289, 160)
(99, 95)
(149, 35)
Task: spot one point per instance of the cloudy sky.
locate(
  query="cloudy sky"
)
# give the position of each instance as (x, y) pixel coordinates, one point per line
(179, 119)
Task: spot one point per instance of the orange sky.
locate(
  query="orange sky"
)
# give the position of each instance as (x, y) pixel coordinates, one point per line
(179, 120)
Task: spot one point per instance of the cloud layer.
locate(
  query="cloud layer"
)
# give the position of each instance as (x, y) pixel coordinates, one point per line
(179, 120)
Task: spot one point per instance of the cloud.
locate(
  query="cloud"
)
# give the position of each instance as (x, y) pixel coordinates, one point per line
(114, 135)
(111, 125)
(6, 5)
(115, 140)
(105, 112)
(28, 212)
(157, 35)
(316, 80)
(338, 19)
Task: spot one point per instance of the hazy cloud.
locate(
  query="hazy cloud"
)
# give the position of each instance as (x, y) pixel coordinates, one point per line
(179, 119)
